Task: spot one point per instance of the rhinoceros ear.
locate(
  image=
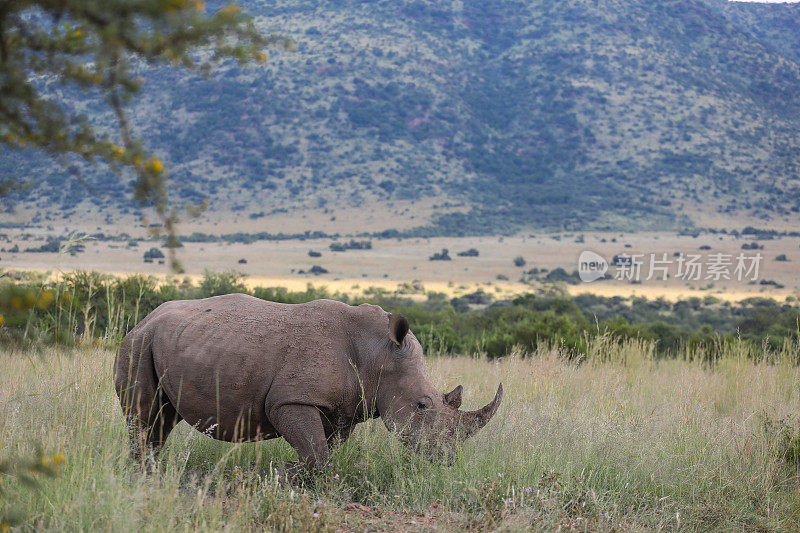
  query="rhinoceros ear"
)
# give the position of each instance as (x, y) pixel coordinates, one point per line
(398, 328)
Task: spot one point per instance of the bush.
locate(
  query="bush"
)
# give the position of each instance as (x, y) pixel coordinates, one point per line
(519, 261)
(444, 255)
(153, 253)
(88, 304)
(560, 275)
(352, 245)
(217, 284)
(54, 244)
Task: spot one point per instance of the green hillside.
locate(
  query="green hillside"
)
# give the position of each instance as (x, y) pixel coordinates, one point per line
(575, 114)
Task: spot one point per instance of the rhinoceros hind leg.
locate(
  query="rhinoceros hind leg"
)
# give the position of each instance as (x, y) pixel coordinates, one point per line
(148, 434)
(301, 426)
(148, 411)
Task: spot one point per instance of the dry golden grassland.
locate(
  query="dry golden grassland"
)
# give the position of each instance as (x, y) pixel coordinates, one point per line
(391, 262)
(617, 441)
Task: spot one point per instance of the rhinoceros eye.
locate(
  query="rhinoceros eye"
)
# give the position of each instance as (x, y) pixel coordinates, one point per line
(422, 406)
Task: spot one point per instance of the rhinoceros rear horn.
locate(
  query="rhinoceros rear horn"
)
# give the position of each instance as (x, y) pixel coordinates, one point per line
(472, 421)
(398, 328)
(453, 398)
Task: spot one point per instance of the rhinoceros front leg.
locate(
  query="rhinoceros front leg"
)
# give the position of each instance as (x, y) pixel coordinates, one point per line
(301, 426)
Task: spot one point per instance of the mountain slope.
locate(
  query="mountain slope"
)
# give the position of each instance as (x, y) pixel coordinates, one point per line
(507, 114)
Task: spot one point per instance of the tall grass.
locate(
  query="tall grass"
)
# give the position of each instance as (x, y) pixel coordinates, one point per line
(613, 440)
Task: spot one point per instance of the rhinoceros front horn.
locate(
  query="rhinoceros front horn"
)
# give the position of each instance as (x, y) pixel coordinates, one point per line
(472, 421)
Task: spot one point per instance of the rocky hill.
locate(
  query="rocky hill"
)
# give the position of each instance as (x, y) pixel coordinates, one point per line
(501, 114)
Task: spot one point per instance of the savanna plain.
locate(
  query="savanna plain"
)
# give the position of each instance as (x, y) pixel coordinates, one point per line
(615, 439)
(450, 161)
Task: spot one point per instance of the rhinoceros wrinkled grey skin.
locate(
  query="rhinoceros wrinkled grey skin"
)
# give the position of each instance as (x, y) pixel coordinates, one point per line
(238, 368)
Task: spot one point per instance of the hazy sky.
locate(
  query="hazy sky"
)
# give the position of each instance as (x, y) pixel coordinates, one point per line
(769, 1)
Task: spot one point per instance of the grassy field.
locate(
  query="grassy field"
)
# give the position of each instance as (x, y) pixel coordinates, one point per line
(390, 263)
(616, 442)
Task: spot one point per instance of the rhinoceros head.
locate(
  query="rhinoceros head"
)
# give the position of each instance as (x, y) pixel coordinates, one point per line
(424, 418)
